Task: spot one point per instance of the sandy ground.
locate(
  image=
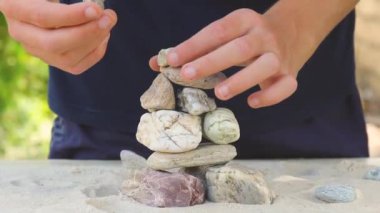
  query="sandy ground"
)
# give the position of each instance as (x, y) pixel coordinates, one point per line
(93, 186)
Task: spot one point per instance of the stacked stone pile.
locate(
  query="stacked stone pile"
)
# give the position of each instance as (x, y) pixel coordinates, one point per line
(193, 136)
(176, 136)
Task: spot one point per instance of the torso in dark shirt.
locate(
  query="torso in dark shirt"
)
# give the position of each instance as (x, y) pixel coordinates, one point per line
(322, 119)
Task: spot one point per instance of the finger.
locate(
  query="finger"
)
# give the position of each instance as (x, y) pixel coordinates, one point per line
(51, 15)
(68, 62)
(153, 64)
(277, 92)
(217, 33)
(90, 60)
(63, 39)
(264, 67)
(233, 53)
(76, 55)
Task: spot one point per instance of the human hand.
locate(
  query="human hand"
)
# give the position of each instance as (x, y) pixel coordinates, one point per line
(246, 38)
(70, 37)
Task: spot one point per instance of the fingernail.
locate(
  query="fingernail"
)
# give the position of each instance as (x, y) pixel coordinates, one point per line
(173, 58)
(90, 12)
(254, 102)
(224, 91)
(189, 72)
(104, 22)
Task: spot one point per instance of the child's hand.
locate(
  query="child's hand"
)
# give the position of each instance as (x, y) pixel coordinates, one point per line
(70, 37)
(242, 38)
(273, 47)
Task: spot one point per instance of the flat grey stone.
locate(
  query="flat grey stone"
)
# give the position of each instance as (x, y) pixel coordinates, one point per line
(159, 96)
(98, 2)
(236, 184)
(195, 101)
(169, 131)
(131, 160)
(220, 126)
(164, 189)
(335, 193)
(205, 154)
(373, 174)
(173, 74)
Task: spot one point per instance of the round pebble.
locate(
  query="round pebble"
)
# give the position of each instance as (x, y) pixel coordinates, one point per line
(373, 174)
(335, 193)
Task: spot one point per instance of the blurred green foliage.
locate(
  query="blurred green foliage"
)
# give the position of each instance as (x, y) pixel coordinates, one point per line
(25, 119)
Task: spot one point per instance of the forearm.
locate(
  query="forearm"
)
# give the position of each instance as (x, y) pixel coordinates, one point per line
(307, 21)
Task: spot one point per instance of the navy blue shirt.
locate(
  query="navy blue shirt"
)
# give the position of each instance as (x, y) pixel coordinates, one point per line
(322, 119)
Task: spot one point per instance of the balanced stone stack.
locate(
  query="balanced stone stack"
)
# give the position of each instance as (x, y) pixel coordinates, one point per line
(175, 136)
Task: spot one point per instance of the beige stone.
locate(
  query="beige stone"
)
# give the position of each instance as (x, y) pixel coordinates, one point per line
(160, 95)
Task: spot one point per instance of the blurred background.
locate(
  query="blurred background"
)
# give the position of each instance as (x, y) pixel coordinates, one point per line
(25, 118)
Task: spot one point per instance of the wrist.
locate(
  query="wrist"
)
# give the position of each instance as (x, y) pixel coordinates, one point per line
(302, 25)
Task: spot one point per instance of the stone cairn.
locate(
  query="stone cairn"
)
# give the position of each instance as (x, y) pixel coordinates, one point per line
(182, 171)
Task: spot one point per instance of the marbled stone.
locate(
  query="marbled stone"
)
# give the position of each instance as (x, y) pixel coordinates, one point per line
(220, 126)
(205, 154)
(195, 101)
(373, 174)
(159, 96)
(98, 2)
(162, 57)
(197, 171)
(163, 189)
(237, 184)
(169, 131)
(173, 74)
(335, 193)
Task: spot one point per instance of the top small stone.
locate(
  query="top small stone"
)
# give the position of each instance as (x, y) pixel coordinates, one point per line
(98, 2)
(162, 57)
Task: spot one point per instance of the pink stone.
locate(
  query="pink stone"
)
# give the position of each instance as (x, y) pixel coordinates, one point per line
(164, 189)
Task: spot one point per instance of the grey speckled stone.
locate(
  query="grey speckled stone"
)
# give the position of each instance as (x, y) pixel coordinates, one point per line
(195, 101)
(173, 74)
(163, 189)
(373, 174)
(335, 193)
(205, 154)
(236, 184)
(99, 2)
